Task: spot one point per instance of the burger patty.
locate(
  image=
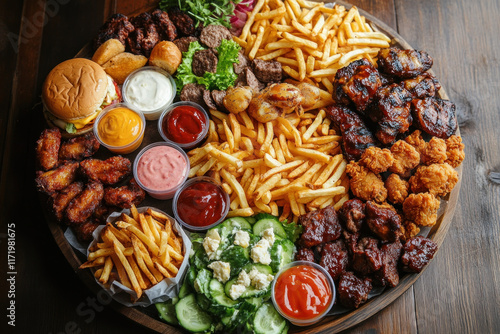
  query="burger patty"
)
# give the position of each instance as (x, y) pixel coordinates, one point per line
(212, 35)
(204, 61)
(193, 92)
(183, 43)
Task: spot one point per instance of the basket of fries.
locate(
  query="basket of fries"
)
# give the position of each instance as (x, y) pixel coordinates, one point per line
(139, 257)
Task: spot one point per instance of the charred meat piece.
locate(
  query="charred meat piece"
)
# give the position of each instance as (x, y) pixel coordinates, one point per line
(403, 63)
(81, 208)
(252, 80)
(204, 61)
(79, 148)
(109, 171)
(57, 179)
(304, 254)
(124, 197)
(267, 70)
(47, 148)
(164, 25)
(218, 97)
(351, 241)
(356, 137)
(422, 86)
(437, 179)
(391, 111)
(383, 221)
(334, 258)
(366, 258)
(183, 42)
(84, 231)
(352, 214)
(243, 62)
(212, 35)
(182, 21)
(193, 92)
(207, 98)
(64, 197)
(357, 83)
(145, 36)
(365, 184)
(421, 209)
(388, 274)
(417, 252)
(434, 116)
(319, 227)
(117, 26)
(353, 291)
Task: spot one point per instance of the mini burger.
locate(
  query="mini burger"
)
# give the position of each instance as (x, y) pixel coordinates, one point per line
(74, 93)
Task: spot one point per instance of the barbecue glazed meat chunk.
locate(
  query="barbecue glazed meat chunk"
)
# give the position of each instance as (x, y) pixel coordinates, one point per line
(164, 25)
(109, 171)
(454, 151)
(397, 189)
(434, 116)
(391, 111)
(417, 252)
(183, 22)
(356, 137)
(365, 184)
(421, 209)
(388, 274)
(366, 257)
(406, 158)
(61, 200)
(437, 179)
(125, 196)
(353, 291)
(334, 258)
(117, 26)
(304, 254)
(422, 86)
(79, 148)
(383, 221)
(403, 63)
(81, 208)
(57, 179)
(357, 83)
(145, 36)
(352, 214)
(320, 226)
(47, 148)
(376, 159)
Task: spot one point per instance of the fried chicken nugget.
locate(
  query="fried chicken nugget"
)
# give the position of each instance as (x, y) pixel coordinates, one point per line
(125, 196)
(421, 209)
(416, 140)
(397, 189)
(434, 152)
(365, 184)
(454, 151)
(409, 230)
(81, 208)
(79, 148)
(376, 159)
(47, 148)
(57, 179)
(406, 158)
(109, 171)
(437, 179)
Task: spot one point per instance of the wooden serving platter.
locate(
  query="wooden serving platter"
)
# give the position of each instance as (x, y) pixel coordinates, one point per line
(148, 316)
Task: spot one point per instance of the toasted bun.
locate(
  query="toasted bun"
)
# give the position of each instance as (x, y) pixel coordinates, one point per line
(74, 89)
(167, 56)
(108, 50)
(121, 65)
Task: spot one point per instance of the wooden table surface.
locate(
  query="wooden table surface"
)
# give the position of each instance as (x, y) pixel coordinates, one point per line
(458, 293)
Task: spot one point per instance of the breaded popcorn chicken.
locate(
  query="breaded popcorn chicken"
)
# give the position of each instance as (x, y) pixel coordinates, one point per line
(437, 179)
(416, 140)
(376, 159)
(365, 184)
(454, 151)
(409, 230)
(397, 189)
(406, 158)
(434, 152)
(421, 209)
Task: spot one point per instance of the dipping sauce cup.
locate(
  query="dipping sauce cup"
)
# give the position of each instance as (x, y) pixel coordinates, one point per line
(149, 89)
(184, 123)
(160, 169)
(200, 204)
(120, 128)
(303, 292)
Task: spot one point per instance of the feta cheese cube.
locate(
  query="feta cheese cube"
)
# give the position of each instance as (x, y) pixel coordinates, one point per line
(268, 234)
(243, 279)
(236, 291)
(242, 238)
(211, 243)
(259, 280)
(222, 270)
(259, 252)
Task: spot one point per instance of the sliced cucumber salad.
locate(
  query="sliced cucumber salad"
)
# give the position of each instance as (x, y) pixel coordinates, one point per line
(228, 286)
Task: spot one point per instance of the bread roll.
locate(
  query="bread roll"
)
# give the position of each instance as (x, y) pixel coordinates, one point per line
(108, 50)
(167, 56)
(121, 65)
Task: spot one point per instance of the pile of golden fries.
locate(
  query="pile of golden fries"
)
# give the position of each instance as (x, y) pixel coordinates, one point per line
(310, 40)
(144, 249)
(294, 162)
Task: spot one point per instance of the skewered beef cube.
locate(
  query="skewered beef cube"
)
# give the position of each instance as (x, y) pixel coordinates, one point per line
(366, 258)
(334, 258)
(417, 252)
(319, 227)
(352, 290)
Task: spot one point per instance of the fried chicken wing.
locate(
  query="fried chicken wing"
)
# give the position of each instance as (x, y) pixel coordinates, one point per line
(365, 184)
(421, 209)
(47, 148)
(403, 63)
(356, 137)
(352, 214)
(415, 139)
(437, 179)
(79, 148)
(388, 274)
(434, 116)
(109, 171)
(125, 196)
(406, 158)
(417, 252)
(376, 159)
(117, 26)
(454, 151)
(383, 221)
(64, 197)
(366, 258)
(334, 258)
(84, 231)
(320, 226)
(353, 291)
(397, 189)
(434, 152)
(57, 179)
(422, 86)
(81, 208)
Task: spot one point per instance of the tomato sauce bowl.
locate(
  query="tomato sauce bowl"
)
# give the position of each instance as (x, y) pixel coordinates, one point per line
(303, 292)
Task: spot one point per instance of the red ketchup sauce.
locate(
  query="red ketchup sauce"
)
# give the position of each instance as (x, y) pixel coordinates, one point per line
(302, 292)
(184, 124)
(201, 204)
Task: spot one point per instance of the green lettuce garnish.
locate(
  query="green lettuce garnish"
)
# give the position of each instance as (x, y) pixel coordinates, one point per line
(70, 128)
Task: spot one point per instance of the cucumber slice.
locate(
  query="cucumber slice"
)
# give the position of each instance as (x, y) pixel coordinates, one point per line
(185, 290)
(268, 321)
(191, 316)
(202, 281)
(266, 223)
(218, 294)
(251, 220)
(237, 222)
(281, 253)
(166, 312)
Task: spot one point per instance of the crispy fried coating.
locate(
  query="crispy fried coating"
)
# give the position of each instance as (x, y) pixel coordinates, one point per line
(421, 209)
(79, 148)
(64, 197)
(454, 151)
(47, 148)
(84, 231)
(125, 196)
(109, 171)
(409, 230)
(57, 179)
(434, 152)
(397, 189)
(365, 184)
(437, 179)
(405, 158)
(81, 208)
(376, 159)
(416, 140)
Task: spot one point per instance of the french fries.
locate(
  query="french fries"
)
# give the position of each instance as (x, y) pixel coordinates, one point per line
(142, 248)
